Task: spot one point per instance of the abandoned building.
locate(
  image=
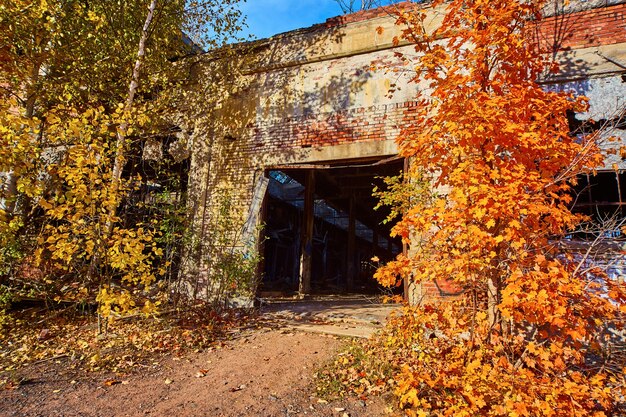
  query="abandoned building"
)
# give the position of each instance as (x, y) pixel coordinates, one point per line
(297, 129)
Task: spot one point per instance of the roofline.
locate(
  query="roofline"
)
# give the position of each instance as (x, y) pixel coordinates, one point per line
(551, 9)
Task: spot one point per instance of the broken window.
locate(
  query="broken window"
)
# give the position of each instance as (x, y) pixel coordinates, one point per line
(601, 196)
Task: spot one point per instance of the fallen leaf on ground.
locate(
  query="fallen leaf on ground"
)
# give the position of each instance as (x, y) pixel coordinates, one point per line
(110, 382)
(201, 373)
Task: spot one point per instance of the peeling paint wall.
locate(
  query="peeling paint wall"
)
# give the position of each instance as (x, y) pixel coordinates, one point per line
(607, 106)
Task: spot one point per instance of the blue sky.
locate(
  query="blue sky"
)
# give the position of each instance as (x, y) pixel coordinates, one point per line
(269, 17)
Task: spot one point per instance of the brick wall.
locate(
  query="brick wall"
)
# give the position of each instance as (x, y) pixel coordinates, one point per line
(595, 27)
(237, 162)
(598, 26)
(371, 123)
(364, 15)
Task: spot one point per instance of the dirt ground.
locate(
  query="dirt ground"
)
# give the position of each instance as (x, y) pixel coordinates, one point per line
(262, 372)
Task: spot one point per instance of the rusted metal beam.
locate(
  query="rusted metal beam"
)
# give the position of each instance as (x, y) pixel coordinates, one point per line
(350, 269)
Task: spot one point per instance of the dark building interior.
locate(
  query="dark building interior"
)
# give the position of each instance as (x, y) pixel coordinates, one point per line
(321, 224)
(602, 197)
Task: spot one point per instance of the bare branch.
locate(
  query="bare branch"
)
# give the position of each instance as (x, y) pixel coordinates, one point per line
(351, 6)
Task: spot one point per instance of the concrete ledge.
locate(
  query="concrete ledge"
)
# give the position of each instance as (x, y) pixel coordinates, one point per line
(354, 150)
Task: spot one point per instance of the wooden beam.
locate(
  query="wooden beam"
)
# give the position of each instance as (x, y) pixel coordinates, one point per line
(350, 267)
(619, 193)
(306, 252)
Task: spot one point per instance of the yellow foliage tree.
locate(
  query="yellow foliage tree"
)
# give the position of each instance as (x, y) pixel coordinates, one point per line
(498, 148)
(70, 115)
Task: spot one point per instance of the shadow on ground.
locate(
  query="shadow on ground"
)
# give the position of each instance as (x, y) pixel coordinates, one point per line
(350, 315)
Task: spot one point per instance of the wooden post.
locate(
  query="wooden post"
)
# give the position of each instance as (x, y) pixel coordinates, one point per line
(375, 242)
(351, 246)
(619, 193)
(405, 249)
(306, 249)
(589, 207)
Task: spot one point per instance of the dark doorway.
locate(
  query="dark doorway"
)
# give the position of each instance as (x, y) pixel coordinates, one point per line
(331, 247)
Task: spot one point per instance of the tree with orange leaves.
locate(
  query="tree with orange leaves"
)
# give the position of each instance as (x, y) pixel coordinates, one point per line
(525, 338)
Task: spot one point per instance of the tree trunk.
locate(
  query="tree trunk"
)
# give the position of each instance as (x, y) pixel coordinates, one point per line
(120, 151)
(9, 194)
(493, 299)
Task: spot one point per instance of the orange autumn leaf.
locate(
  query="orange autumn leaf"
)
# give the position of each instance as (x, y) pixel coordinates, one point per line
(489, 190)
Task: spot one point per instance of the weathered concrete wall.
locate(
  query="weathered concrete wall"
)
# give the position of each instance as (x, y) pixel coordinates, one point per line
(323, 94)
